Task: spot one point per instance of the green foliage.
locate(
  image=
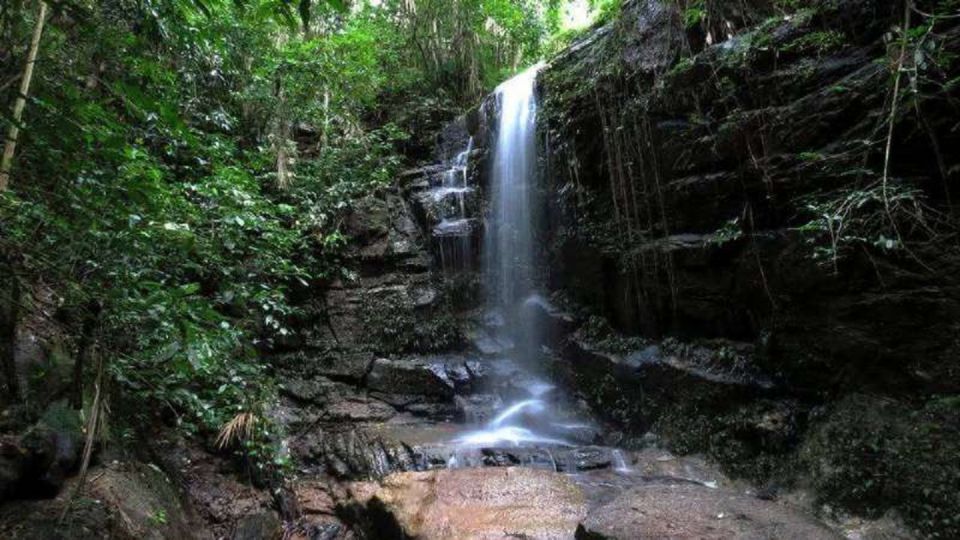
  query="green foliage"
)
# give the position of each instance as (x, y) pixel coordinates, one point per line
(150, 188)
(395, 326)
(695, 13)
(158, 517)
(817, 42)
(605, 10)
(731, 231)
(185, 166)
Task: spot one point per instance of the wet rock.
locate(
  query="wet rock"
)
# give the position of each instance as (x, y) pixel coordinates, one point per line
(316, 390)
(588, 458)
(434, 411)
(314, 497)
(472, 503)
(691, 511)
(358, 410)
(532, 457)
(356, 454)
(325, 529)
(261, 526)
(477, 408)
(434, 377)
(339, 365)
(410, 376)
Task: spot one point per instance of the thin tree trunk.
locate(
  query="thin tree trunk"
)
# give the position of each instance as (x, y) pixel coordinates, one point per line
(11, 144)
(87, 340)
(8, 339)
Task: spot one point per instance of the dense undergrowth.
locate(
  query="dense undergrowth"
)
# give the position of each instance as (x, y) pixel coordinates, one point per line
(183, 169)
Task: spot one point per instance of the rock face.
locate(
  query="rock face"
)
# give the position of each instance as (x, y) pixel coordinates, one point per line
(722, 182)
(687, 188)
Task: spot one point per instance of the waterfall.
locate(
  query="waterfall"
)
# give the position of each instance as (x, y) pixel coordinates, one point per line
(509, 251)
(510, 264)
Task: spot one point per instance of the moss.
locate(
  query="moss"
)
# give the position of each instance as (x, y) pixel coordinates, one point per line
(395, 326)
(816, 42)
(597, 331)
(684, 65)
(61, 418)
(871, 454)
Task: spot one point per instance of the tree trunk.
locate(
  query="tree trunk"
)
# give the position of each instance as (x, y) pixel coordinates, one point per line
(11, 144)
(8, 338)
(87, 340)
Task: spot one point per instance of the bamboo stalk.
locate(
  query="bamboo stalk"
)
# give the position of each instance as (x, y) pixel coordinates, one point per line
(10, 147)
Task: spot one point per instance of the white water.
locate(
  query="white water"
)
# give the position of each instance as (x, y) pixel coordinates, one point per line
(532, 405)
(509, 243)
(619, 462)
(509, 255)
(454, 230)
(514, 435)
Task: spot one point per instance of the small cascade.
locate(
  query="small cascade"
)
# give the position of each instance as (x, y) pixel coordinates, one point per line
(455, 231)
(619, 461)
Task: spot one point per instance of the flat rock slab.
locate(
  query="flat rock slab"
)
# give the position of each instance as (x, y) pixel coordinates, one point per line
(681, 511)
(489, 503)
(518, 502)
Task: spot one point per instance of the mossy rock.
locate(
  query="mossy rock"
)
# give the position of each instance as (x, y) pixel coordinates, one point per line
(871, 454)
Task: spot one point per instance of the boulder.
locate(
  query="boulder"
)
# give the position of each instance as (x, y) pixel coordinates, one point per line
(259, 526)
(37, 463)
(671, 510)
(410, 377)
(128, 500)
(472, 503)
(12, 462)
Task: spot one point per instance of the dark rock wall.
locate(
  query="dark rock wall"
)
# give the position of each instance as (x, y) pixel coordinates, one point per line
(726, 182)
(688, 189)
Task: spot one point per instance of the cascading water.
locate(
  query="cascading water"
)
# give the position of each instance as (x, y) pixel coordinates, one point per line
(529, 414)
(454, 231)
(509, 257)
(509, 248)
